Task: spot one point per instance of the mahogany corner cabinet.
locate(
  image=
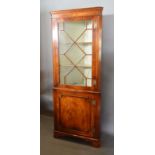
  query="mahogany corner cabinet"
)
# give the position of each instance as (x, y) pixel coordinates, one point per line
(76, 44)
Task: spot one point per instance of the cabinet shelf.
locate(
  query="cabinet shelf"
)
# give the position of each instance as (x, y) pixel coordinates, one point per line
(84, 43)
(76, 66)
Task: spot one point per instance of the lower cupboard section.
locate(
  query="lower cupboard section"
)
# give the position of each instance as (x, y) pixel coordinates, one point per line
(77, 114)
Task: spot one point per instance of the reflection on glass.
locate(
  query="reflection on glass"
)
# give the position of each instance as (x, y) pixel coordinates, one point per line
(75, 53)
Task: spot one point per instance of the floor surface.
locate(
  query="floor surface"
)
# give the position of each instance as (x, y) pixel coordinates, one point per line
(68, 146)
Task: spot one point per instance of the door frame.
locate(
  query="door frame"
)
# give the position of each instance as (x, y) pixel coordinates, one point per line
(96, 52)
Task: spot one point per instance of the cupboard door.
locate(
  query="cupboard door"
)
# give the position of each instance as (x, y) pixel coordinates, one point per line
(76, 114)
(75, 52)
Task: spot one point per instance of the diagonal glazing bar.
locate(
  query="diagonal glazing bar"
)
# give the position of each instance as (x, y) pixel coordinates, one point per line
(80, 72)
(75, 42)
(69, 59)
(80, 48)
(69, 48)
(67, 74)
(74, 66)
(77, 38)
(80, 60)
(70, 45)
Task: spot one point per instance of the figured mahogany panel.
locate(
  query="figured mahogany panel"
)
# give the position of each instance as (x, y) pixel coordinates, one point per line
(75, 113)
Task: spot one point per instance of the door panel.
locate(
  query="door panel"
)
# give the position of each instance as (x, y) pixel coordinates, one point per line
(75, 112)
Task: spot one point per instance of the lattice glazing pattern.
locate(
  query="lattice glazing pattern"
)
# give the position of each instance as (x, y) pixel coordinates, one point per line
(75, 53)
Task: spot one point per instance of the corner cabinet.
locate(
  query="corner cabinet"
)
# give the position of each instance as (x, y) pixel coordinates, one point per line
(76, 43)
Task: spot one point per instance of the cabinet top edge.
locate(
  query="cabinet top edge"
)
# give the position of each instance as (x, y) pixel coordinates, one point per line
(80, 11)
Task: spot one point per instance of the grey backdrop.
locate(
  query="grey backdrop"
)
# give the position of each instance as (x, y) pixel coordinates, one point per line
(107, 55)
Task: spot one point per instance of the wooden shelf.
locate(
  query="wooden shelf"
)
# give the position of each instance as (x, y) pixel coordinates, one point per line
(85, 66)
(85, 43)
(77, 66)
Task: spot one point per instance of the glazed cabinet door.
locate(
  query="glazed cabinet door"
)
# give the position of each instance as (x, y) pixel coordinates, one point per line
(76, 113)
(75, 53)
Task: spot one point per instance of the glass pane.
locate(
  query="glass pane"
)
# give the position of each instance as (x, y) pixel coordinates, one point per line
(64, 61)
(74, 29)
(75, 78)
(85, 41)
(64, 70)
(89, 82)
(61, 26)
(89, 24)
(86, 61)
(64, 42)
(86, 37)
(86, 71)
(86, 47)
(75, 52)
